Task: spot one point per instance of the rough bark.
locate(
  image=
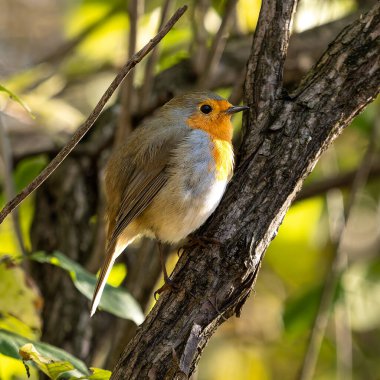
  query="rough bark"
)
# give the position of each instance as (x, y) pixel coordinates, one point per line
(284, 135)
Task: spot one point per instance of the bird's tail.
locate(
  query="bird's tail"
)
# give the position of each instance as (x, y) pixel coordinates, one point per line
(111, 256)
(112, 252)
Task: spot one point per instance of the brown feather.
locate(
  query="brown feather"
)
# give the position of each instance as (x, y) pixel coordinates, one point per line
(102, 279)
(138, 174)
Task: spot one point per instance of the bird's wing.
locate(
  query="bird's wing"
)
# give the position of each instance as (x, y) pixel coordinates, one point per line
(141, 180)
(142, 188)
(140, 192)
(142, 177)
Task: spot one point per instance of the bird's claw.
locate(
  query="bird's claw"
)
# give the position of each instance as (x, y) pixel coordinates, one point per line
(168, 285)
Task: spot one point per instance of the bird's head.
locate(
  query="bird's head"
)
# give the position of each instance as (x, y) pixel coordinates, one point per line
(206, 111)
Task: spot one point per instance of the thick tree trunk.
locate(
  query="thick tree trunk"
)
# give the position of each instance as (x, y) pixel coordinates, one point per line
(284, 135)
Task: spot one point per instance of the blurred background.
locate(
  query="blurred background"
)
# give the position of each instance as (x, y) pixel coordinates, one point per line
(56, 60)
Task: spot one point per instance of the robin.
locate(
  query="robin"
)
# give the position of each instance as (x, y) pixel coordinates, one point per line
(169, 177)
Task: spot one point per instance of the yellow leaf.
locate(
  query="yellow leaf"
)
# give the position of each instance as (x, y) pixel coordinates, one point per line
(53, 369)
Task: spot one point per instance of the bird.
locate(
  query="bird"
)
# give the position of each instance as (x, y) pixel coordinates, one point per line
(169, 175)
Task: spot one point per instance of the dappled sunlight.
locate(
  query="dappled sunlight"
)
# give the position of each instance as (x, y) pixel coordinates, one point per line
(57, 60)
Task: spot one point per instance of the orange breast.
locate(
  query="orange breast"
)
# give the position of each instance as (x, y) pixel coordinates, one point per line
(219, 127)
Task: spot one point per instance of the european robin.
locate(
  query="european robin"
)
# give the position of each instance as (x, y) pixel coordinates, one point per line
(170, 175)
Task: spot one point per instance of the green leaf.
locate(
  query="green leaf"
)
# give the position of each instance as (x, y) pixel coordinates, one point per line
(300, 312)
(15, 98)
(28, 169)
(97, 374)
(18, 300)
(100, 374)
(53, 369)
(10, 343)
(114, 300)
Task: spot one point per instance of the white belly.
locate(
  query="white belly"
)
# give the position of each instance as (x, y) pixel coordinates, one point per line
(191, 194)
(184, 215)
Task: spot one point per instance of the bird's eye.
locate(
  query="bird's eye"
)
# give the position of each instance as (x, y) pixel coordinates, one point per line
(206, 108)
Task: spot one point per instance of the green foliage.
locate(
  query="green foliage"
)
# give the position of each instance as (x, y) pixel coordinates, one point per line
(53, 369)
(361, 288)
(269, 340)
(295, 255)
(27, 170)
(23, 174)
(16, 99)
(99, 374)
(18, 300)
(114, 300)
(299, 313)
(10, 344)
(19, 303)
(364, 122)
(52, 361)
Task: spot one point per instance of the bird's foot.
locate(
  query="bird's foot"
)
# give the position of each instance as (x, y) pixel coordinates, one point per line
(202, 241)
(168, 285)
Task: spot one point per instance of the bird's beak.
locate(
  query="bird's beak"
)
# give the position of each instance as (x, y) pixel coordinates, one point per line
(235, 109)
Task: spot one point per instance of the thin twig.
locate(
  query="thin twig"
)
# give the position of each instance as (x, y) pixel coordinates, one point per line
(124, 122)
(9, 183)
(78, 135)
(63, 50)
(238, 88)
(199, 48)
(336, 181)
(218, 45)
(335, 212)
(343, 341)
(337, 267)
(146, 89)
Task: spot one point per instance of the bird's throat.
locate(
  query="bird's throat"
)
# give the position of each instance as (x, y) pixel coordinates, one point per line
(219, 127)
(220, 130)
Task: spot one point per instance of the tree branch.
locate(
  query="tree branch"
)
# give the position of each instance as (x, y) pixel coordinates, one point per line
(9, 186)
(218, 45)
(127, 93)
(147, 85)
(283, 139)
(263, 86)
(78, 135)
(63, 50)
(199, 48)
(341, 180)
(182, 322)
